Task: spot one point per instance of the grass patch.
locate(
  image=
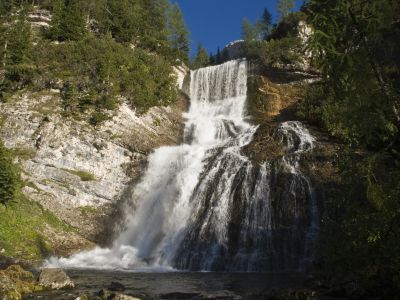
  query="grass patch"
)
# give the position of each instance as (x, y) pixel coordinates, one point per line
(88, 210)
(23, 153)
(22, 223)
(84, 176)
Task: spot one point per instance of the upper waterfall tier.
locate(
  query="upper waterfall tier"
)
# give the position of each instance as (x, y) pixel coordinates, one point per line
(219, 82)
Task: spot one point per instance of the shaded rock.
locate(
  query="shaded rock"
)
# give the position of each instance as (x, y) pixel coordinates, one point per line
(121, 297)
(177, 295)
(285, 294)
(82, 297)
(55, 279)
(106, 295)
(116, 287)
(218, 295)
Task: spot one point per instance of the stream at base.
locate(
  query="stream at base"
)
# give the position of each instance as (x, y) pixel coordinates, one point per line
(177, 285)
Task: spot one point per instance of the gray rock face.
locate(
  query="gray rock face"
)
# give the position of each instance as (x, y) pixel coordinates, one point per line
(79, 172)
(55, 279)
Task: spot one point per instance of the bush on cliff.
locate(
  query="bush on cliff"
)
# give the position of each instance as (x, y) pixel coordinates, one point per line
(9, 177)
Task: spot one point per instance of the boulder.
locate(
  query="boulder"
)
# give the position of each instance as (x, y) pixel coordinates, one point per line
(106, 295)
(8, 289)
(116, 287)
(228, 295)
(55, 279)
(121, 297)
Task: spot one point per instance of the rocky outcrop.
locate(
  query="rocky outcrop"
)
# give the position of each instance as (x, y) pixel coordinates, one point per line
(55, 279)
(15, 282)
(79, 172)
(274, 99)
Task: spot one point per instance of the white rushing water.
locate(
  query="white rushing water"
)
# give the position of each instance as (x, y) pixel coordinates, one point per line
(203, 205)
(162, 198)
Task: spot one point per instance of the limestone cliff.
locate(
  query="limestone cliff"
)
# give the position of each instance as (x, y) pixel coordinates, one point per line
(79, 172)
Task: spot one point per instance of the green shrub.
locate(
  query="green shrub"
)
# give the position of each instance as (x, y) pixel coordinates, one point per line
(98, 69)
(9, 177)
(83, 175)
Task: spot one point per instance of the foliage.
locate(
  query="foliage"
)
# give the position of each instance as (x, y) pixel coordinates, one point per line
(178, 33)
(68, 23)
(250, 32)
(285, 51)
(22, 224)
(108, 50)
(287, 27)
(84, 176)
(202, 59)
(355, 49)
(9, 177)
(15, 49)
(265, 24)
(355, 44)
(96, 70)
(280, 47)
(284, 8)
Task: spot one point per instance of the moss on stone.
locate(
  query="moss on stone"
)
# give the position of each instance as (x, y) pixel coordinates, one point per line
(16, 282)
(22, 224)
(83, 175)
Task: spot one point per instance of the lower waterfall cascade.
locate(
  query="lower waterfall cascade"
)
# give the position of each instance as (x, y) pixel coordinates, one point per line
(204, 206)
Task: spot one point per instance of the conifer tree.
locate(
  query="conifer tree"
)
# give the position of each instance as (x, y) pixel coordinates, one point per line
(212, 59)
(15, 41)
(285, 7)
(249, 31)
(72, 23)
(178, 33)
(218, 58)
(202, 59)
(69, 22)
(265, 24)
(9, 179)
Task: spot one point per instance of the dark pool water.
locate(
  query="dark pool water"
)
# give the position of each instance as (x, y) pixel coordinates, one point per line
(157, 285)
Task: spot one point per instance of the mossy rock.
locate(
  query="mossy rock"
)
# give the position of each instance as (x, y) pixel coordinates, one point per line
(8, 290)
(15, 282)
(16, 272)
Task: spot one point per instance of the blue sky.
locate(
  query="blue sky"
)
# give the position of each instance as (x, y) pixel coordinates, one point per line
(217, 22)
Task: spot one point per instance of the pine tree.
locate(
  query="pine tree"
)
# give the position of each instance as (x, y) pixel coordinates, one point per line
(285, 7)
(15, 41)
(202, 59)
(218, 58)
(178, 33)
(153, 27)
(212, 59)
(9, 179)
(249, 31)
(265, 24)
(68, 23)
(225, 55)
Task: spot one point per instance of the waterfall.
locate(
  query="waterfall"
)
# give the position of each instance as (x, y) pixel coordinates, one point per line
(203, 205)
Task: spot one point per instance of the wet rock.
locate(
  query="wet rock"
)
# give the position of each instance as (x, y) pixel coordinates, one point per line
(286, 294)
(218, 295)
(106, 295)
(55, 279)
(177, 296)
(116, 287)
(121, 297)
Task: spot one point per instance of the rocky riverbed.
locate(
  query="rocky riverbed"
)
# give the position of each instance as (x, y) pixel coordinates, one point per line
(55, 284)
